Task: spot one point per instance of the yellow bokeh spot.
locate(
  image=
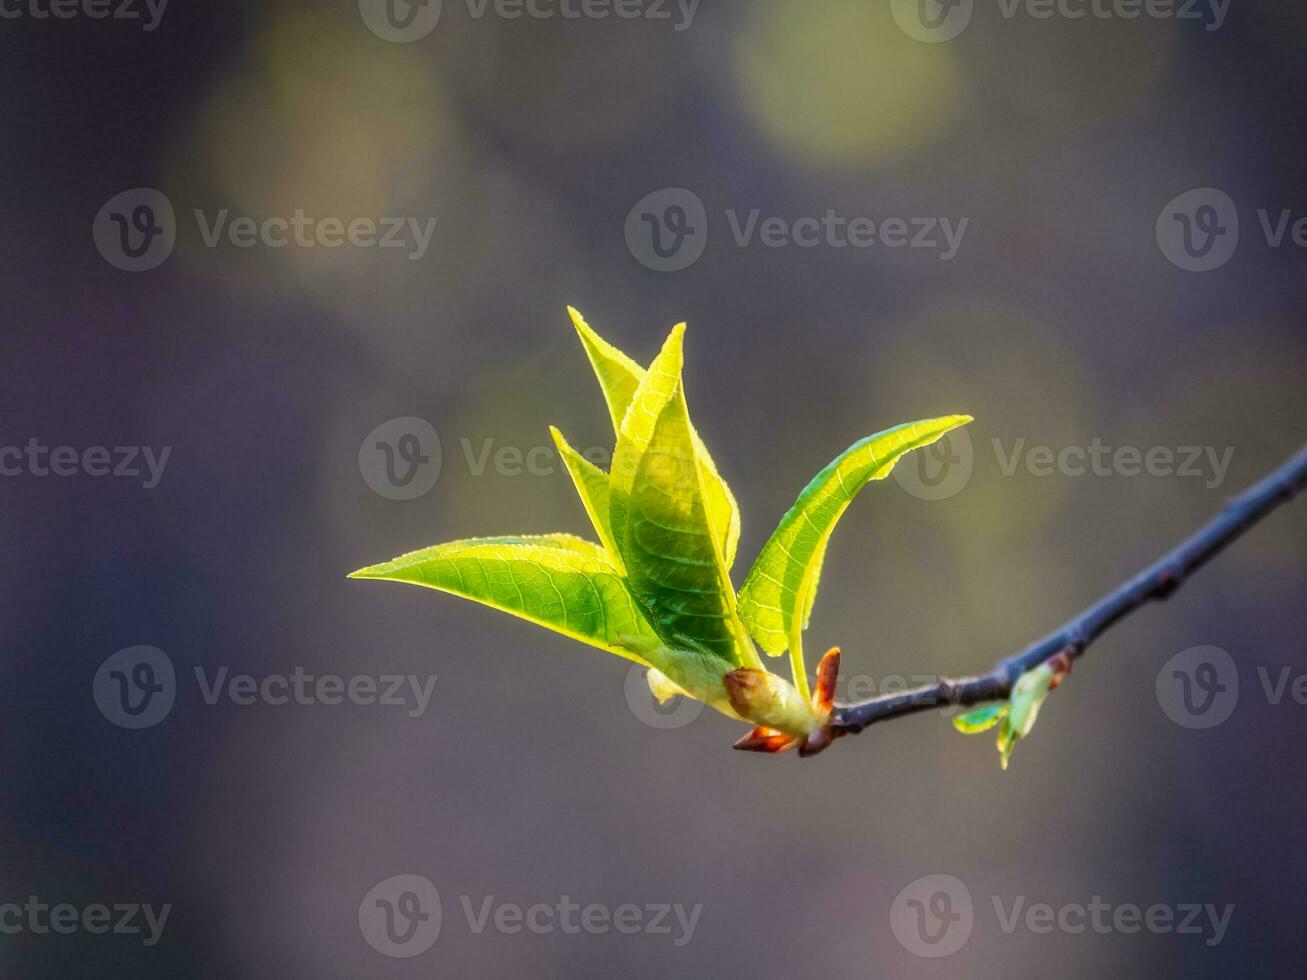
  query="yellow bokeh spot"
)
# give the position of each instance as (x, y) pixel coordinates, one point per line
(316, 119)
(836, 83)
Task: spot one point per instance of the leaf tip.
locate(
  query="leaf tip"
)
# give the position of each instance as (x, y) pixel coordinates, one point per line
(586, 332)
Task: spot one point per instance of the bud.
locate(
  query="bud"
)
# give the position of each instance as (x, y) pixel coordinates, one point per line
(771, 701)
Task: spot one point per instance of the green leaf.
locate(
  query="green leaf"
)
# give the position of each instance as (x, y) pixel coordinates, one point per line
(980, 720)
(620, 378)
(1028, 695)
(777, 597)
(592, 487)
(618, 375)
(556, 581)
(660, 523)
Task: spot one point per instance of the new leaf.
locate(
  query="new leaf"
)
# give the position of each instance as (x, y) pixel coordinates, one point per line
(660, 520)
(553, 580)
(778, 594)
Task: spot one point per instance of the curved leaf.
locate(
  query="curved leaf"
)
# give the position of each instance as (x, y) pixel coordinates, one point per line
(592, 487)
(620, 378)
(557, 581)
(777, 597)
(672, 553)
(618, 375)
(981, 719)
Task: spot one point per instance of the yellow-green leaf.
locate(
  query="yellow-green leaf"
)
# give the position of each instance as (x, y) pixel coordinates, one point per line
(661, 525)
(619, 378)
(618, 375)
(980, 720)
(777, 597)
(673, 564)
(592, 487)
(1028, 695)
(557, 581)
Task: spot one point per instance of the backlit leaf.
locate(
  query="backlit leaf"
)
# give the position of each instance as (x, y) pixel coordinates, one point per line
(557, 581)
(620, 378)
(777, 597)
(592, 487)
(982, 719)
(673, 562)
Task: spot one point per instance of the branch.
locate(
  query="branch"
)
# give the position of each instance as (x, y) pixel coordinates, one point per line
(1157, 581)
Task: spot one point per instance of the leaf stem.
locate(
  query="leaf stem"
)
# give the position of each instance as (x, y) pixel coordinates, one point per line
(797, 667)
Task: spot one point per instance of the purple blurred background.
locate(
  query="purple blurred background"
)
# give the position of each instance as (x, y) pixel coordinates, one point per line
(1065, 318)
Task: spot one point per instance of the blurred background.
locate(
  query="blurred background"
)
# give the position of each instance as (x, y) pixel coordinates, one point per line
(646, 168)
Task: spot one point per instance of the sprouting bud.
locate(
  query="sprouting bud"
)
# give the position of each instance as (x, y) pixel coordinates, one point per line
(771, 701)
(1028, 696)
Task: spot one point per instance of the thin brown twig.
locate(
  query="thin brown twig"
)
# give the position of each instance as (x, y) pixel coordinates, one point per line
(1156, 582)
